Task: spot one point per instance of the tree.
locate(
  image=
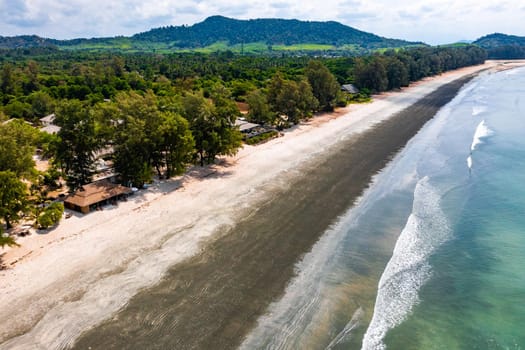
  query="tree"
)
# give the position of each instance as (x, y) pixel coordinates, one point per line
(51, 215)
(12, 197)
(198, 111)
(6, 240)
(136, 120)
(324, 85)
(259, 109)
(371, 75)
(177, 143)
(397, 73)
(41, 103)
(212, 126)
(131, 156)
(77, 142)
(7, 79)
(17, 146)
(292, 99)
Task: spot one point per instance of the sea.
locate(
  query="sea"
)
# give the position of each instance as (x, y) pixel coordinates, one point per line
(433, 254)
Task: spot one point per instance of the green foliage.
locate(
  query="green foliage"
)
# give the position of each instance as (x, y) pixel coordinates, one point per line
(51, 215)
(495, 40)
(270, 31)
(12, 197)
(262, 137)
(220, 34)
(501, 46)
(77, 142)
(371, 74)
(324, 85)
(17, 146)
(6, 240)
(176, 143)
(259, 112)
(18, 109)
(212, 126)
(42, 104)
(294, 100)
(391, 69)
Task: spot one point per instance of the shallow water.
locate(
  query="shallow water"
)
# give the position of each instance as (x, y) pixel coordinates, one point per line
(454, 200)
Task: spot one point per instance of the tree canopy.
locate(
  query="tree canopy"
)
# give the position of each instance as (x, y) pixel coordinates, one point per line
(13, 200)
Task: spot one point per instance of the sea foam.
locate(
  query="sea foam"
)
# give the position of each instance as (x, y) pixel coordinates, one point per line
(408, 269)
(477, 110)
(481, 132)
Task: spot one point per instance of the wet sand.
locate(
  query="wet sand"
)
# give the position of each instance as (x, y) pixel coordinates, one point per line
(212, 300)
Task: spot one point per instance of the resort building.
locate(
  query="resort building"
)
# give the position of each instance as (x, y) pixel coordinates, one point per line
(95, 194)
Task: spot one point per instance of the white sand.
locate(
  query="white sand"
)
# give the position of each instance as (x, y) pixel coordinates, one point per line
(85, 270)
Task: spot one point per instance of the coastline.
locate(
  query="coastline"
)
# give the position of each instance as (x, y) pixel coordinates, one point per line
(102, 249)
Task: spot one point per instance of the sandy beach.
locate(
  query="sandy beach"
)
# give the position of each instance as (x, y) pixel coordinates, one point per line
(63, 282)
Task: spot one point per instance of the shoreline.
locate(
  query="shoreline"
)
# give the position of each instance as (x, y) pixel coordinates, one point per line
(105, 247)
(259, 254)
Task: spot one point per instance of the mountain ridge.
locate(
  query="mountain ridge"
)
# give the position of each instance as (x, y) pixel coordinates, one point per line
(493, 40)
(214, 29)
(270, 31)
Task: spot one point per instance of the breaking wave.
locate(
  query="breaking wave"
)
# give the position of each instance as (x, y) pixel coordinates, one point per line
(481, 132)
(408, 269)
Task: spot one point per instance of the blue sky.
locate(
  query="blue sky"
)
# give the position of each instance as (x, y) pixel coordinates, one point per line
(431, 21)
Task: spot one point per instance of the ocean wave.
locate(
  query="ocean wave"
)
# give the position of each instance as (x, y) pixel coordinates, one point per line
(477, 110)
(482, 131)
(408, 269)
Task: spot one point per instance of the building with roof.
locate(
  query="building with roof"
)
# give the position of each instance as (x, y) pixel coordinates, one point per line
(245, 126)
(48, 124)
(95, 194)
(48, 119)
(350, 88)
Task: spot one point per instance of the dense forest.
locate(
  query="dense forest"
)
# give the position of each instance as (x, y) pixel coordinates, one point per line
(152, 115)
(268, 31)
(502, 46)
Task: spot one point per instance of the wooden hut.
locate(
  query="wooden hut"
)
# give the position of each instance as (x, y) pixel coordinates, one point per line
(94, 194)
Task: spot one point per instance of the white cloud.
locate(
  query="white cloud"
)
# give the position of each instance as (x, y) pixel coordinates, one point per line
(433, 21)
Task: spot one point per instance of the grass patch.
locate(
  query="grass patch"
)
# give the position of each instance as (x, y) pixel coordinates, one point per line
(303, 47)
(262, 137)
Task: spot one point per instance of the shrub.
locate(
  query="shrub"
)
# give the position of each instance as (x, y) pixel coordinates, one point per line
(51, 215)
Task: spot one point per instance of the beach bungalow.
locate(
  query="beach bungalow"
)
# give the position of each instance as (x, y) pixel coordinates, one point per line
(246, 127)
(48, 120)
(95, 194)
(350, 88)
(48, 124)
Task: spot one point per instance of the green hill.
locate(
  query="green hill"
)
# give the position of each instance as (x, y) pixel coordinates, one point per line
(269, 31)
(502, 46)
(497, 39)
(221, 33)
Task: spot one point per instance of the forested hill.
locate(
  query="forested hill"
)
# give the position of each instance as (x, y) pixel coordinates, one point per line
(270, 31)
(497, 39)
(221, 33)
(502, 46)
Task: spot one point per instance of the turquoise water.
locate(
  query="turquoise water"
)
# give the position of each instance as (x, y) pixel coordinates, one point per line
(475, 296)
(452, 204)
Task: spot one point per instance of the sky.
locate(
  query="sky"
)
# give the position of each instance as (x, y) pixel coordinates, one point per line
(431, 21)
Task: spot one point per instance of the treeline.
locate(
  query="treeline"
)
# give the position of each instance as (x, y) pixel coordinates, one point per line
(506, 52)
(396, 69)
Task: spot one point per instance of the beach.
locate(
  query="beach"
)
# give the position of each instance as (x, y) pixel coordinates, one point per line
(225, 234)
